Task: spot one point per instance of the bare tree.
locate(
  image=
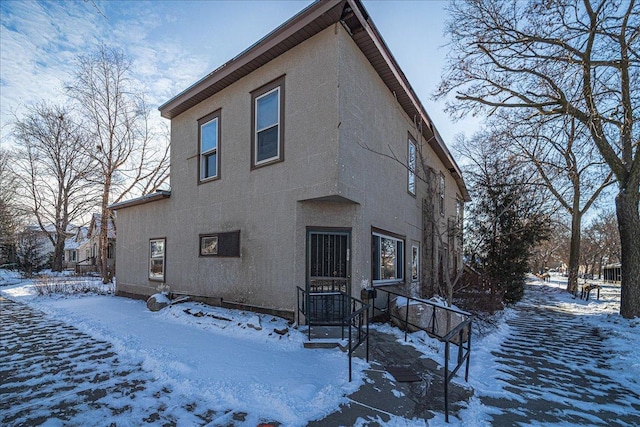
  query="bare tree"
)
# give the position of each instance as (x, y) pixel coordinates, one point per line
(55, 171)
(560, 58)
(567, 163)
(10, 213)
(551, 253)
(601, 245)
(130, 158)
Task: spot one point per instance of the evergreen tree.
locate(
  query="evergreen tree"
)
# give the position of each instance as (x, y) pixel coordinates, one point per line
(507, 218)
(30, 253)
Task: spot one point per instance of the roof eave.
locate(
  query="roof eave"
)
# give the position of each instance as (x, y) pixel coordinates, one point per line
(413, 106)
(323, 14)
(147, 198)
(233, 68)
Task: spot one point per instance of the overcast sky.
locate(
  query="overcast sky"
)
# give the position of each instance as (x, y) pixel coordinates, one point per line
(175, 43)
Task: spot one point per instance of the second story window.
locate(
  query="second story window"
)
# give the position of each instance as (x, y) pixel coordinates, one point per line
(209, 136)
(441, 191)
(268, 124)
(411, 167)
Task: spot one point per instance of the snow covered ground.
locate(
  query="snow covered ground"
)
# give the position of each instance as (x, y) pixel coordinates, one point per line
(256, 364)
(610, 365)
(233, 360)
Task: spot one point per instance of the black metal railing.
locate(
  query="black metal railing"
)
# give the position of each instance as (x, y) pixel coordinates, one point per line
(447, 324)
(336, 309)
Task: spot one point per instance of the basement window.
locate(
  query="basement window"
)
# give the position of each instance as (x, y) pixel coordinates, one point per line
(220, 244)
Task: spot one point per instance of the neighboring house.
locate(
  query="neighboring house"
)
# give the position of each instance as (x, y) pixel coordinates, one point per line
(81, 250)
(278, 181)
(75, 248)
(92, 247)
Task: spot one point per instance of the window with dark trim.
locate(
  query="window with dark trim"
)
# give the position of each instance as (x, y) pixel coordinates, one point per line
(415, 263)
(209, 147)
(411, 166)
(157, 259)
(220, 244)
(441, 191)
(267, 124)
(387, 258)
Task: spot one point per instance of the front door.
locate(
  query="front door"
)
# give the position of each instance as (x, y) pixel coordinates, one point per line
(328, 254)
(328, 276)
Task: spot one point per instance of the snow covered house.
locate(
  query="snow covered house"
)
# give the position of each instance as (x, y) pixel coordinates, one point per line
(82, 249)
(93, 235)
(77, 248)
(278, 181)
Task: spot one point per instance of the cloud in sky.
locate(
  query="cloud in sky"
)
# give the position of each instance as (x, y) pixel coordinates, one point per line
(173, 44)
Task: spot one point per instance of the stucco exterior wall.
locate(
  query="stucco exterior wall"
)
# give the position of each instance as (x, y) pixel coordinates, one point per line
(261, 203)
(336, 105)
(373, 125)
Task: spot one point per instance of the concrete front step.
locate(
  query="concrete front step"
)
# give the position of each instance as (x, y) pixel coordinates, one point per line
(324, 344)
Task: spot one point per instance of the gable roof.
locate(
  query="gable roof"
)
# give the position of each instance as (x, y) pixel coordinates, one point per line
(96, 225)
(309, 22)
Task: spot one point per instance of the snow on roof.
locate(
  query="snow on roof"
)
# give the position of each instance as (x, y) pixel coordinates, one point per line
(96, 222)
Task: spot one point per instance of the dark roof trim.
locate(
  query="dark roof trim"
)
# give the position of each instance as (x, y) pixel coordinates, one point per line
(304, 25)
(147, 198)
(383, 61)
(310, 21)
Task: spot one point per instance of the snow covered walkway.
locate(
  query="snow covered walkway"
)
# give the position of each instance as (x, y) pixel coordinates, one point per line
(556, 368)
(94, 360)
(54, 374)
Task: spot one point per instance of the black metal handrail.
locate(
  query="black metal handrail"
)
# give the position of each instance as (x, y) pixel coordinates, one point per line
(335, 308)
(355, 321)
(457, 333)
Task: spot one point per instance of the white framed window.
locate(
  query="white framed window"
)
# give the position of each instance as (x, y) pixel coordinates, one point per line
(267, 136)
(411, 167)
(387, 258)
(441, 194)
(459, 213)
(415, 263)
(157, 259)
(209, 146)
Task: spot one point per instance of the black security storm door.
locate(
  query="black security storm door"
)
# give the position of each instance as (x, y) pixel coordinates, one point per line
(328, 275)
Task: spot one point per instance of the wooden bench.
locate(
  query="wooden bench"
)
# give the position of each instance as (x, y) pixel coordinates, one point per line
(586, 291)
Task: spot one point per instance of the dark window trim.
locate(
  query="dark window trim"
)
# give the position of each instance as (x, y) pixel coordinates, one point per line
(201, 121)
(220, 250)
(278, 82)
(415, 245)
(164, 261)
(381, 231)
(442, 189)
(411, 140)
(388, 233)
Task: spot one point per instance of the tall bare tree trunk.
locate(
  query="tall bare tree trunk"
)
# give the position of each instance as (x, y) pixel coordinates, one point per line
(629, 226)
(574, 251)
(58, 254)
(103, 247)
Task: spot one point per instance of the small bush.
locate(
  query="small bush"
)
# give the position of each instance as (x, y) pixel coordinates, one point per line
(46, 286)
